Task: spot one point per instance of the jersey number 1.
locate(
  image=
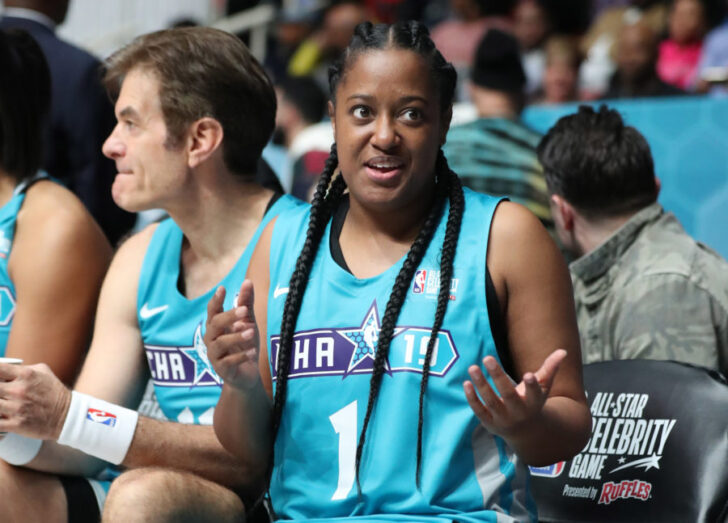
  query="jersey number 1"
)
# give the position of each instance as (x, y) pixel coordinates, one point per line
(344, 422)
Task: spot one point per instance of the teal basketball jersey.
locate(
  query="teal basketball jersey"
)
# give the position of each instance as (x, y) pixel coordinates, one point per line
(467, 473)
(172, 326)
(8, 218)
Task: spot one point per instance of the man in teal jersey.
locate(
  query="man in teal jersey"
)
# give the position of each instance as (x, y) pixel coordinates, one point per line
(194, 111)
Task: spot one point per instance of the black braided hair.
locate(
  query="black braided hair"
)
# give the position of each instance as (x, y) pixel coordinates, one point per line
(447, 256)
(394, 305)
(321, 209)
(411, 36)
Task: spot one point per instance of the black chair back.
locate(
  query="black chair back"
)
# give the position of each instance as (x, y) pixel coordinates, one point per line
(658, 450)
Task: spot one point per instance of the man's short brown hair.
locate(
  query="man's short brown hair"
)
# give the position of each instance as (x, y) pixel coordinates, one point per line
(204, 72)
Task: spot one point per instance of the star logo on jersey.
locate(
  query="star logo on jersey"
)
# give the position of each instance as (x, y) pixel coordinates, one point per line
(348, 351)
(365, 340)
(198, 354)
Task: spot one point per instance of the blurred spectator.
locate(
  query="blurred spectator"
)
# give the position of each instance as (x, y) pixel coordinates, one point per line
(301, 105)
(496, 153)
(598, 46)
(531, 27)
(713, 67)
(636, 75)
(643, 288)
(679, 54)
(235, 6)
(601, 5)
(458, 37)
(81, 114)
(315, 53)
(571, 17)
(184, 22)
(388, 11)
(294, 23)
(561, 75)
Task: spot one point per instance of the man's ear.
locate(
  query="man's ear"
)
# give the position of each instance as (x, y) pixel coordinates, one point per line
(562, 211)
(658, 186)
(204, 137)
(332, 116)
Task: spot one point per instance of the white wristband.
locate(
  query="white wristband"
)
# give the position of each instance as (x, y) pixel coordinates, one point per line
(98, 428)
(19, 450)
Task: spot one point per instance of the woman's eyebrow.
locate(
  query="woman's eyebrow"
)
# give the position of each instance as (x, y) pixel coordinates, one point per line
(404, 99)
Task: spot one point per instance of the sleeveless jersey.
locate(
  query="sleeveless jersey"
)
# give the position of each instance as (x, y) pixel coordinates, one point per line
(172, 326)
(8, 218)
(467, 473)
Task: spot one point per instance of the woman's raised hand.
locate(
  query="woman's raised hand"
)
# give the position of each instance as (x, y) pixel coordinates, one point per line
(517, 405)
(232, 340)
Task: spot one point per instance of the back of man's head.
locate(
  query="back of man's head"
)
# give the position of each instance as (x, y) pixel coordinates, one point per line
(204, 72)
(598, 164)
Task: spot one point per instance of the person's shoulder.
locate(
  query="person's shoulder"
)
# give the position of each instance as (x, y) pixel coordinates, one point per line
(292, 212)
(717, 38)
(53, 225)
(70, 66)
(516, 131)
(516, 234)
(497, 129)
(50, 206)
(665, 265)
(482, 199)
(513, 221)
(129, 257)
(463, 131)
(71, 54)
(288, 203)
(665, 248)
(141, 239)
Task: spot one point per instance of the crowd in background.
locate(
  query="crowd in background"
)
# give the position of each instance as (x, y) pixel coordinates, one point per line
(568, 51)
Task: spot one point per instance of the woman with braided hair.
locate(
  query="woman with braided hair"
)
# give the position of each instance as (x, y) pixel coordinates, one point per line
(375, 309)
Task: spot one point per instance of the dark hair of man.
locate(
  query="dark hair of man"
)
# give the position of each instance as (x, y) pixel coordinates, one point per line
(598, 164)
(25, 94)
(204, 72)
(367, 37)
(306, 96)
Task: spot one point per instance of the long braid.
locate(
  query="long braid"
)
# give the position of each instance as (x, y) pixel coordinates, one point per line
(391, 312)
(447, 257)
(321, 208)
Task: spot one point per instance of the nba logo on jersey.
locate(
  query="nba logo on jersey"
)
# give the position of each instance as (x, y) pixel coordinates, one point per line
(420, 279)
(101, 417)
(552, 471)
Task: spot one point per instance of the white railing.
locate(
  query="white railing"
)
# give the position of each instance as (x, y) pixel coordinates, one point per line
(257, 20)
(101, 27)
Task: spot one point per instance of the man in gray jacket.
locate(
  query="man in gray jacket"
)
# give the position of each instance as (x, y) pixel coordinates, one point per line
(643, 287)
